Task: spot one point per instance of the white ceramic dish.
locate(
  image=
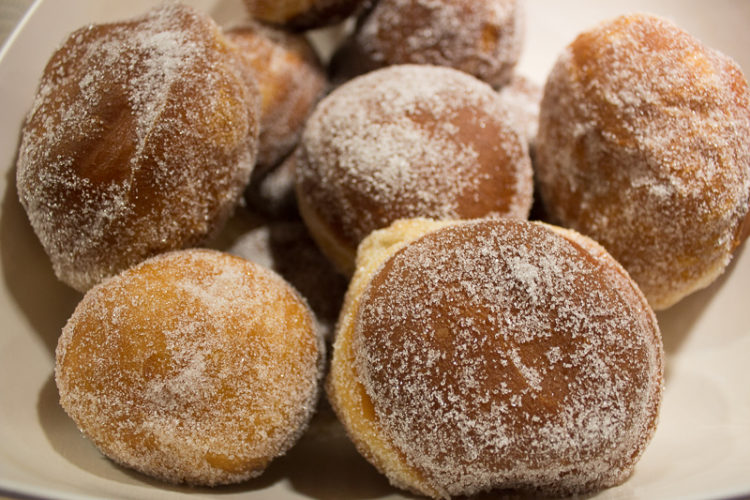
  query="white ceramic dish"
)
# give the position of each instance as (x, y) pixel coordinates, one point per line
(701, 448)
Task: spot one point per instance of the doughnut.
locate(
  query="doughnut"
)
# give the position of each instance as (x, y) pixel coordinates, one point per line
(141, 139)
(407, 141)
(481, 37)
(192, 367)
(644, 145)
(291, 80)
(301, 14)
(495, 354)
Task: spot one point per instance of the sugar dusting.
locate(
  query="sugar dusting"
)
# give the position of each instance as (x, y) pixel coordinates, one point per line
(644, 144)
(480, 37)
(141, 138)
(498, 354)
(410, 141)
(192, 367)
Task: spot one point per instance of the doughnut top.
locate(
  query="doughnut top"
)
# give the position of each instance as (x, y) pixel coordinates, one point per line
(140, 139)
(481, 37)
(193, 366)
(408, 141)
(644, 144)
(498, 352)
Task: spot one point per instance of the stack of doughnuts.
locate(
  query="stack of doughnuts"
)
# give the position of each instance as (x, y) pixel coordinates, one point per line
(474, 350)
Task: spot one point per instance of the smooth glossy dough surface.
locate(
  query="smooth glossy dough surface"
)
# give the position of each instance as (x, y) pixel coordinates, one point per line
(291, 80)
(408, 141)
(481, 37)
(644, 145)
(301, 14)
(194, 366)
(141, 138)
(497, 354)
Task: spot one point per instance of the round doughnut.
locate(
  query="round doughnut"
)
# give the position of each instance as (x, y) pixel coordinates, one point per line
(495, 354)
(644, 145)
(481, 37)
(141, 139)
(192, 367)
(291, 80)
(301, 14)
(407, 141)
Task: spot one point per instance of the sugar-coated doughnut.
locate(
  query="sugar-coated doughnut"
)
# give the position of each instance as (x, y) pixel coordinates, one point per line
(141, 139)
(481, 37)
(407, 141)
(644, 145)
(301, 14)
(192, 367)
(495, 353)
(291, 80)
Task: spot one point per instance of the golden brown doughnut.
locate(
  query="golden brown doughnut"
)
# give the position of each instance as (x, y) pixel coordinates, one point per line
(644, 145)
(141, 139)
(192, 367)
(407, 141)
(495, 353)
(480, 37)
(301, 14)
(291, 80)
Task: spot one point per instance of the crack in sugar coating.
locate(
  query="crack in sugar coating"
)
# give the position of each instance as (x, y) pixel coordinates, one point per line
(644, 145)
(409, 141)
(498, 354)
(141, 138)
(194, 366)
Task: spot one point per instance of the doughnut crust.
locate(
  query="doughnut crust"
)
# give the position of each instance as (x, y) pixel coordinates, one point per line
(644, 145)
(407, 141)
(291, 80)
(301, 14)
(192, 367)
(495, 354)
(141, 139)
(481, 37)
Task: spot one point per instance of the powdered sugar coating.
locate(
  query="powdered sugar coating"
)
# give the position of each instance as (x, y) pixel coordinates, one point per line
(291, 80)
(141, 138)
(644, 145)
(497, 354)
(194, 366)
(481, 37)
(408, 141)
